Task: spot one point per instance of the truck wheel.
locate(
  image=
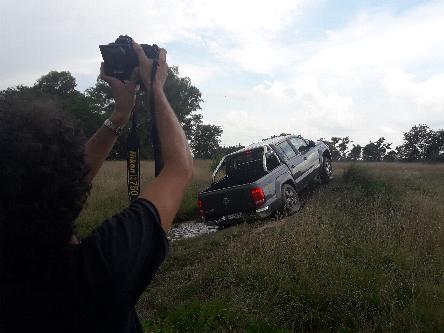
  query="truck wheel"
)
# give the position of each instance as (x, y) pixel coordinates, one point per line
(326, 170)
(291, 203)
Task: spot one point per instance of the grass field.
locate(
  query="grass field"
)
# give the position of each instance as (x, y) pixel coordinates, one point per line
(366, 253)
(109, 193)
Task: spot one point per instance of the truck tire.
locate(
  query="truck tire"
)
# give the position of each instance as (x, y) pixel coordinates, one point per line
(290, 200)
(326, 173)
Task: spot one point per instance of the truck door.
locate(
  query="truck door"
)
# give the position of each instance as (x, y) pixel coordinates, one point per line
(310, 155)
(295, 160)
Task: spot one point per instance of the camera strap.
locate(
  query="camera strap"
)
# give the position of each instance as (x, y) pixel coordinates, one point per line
(158, 161)
(133, 145)
(133, 160)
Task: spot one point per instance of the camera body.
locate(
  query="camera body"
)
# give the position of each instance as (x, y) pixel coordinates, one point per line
(120, 58)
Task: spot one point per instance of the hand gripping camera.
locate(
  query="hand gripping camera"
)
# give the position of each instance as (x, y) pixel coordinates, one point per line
(120, 58)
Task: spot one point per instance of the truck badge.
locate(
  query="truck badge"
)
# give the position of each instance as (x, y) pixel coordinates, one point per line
(226, 201)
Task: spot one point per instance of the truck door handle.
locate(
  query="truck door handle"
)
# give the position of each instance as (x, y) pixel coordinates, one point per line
(292, 166)
(305, 157)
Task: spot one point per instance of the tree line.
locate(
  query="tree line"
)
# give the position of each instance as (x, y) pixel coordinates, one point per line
(91, 107)
(421, 143)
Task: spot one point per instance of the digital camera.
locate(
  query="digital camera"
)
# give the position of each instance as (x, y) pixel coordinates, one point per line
(120, 58)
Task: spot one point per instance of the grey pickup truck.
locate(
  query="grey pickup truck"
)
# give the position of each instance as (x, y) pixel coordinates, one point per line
(264, 178)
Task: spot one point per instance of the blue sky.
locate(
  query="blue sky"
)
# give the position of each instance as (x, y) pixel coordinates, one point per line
(320, 68)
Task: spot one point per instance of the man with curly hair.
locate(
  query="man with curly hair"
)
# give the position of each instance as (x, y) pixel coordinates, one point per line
(49, 281)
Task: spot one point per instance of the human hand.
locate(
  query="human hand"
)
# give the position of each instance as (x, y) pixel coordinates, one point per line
(146, 65)
(124, 96)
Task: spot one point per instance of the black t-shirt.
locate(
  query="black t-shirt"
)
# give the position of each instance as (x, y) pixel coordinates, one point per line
(94, 286)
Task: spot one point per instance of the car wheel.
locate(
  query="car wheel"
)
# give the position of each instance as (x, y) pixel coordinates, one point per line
(326, 170)
(291, 203)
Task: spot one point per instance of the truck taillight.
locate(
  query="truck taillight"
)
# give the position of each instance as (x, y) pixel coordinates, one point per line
(258, 196)
(200, 206)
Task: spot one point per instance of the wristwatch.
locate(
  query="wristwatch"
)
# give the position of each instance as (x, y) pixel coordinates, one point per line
(113, 127)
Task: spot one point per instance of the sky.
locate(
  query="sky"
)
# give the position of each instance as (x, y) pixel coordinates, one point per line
(363, 69)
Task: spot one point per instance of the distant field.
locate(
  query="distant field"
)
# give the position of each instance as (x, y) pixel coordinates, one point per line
(109, 193)
(365, 254)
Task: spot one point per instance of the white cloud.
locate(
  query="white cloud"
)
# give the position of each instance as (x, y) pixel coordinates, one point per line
(246, 127)
(418, 99)
(243, 33)
(199, 73)
(380, 73)
(380, 38)
(44, 35)
(274, 107)
(398, 83)
(351, 83)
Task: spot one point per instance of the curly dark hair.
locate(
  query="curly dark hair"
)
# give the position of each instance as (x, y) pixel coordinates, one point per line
(42, 184)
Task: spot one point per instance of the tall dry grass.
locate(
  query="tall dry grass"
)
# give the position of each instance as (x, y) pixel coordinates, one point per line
(109, 193)
(365, 254)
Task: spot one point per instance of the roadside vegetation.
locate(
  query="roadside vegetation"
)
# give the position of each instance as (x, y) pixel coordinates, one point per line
(366, 253)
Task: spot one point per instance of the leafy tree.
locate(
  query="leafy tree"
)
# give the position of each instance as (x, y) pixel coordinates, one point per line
(370, 152)
(355, 153)
(343, 146)
(206, 141)
(96, 104)
(184, 98)
(58, 88)
(333, 146)
(225, 150)
(375, 151)
(61, 86)
(391, 156)
(435, 148)
(57, 83)
(22, 94)
(100, 97)
(416, 142)
(338, 147)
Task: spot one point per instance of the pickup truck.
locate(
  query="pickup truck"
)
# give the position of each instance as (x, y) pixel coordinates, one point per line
(264, 178)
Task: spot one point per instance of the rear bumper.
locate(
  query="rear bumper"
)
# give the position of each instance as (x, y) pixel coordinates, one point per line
(263, 212)
(226, 221)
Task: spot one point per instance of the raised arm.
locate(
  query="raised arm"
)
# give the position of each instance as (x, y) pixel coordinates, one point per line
(100, 144)
(167, 190)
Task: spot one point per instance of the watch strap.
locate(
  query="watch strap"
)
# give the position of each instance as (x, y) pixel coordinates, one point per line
(113, 127)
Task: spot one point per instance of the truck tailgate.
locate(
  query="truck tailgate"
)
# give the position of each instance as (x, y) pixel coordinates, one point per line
(227, 201)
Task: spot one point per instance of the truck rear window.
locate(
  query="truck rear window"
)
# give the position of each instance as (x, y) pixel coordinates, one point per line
(241, 168)
(249, 159)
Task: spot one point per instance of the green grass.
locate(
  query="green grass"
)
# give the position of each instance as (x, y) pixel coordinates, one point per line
(365, 254)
